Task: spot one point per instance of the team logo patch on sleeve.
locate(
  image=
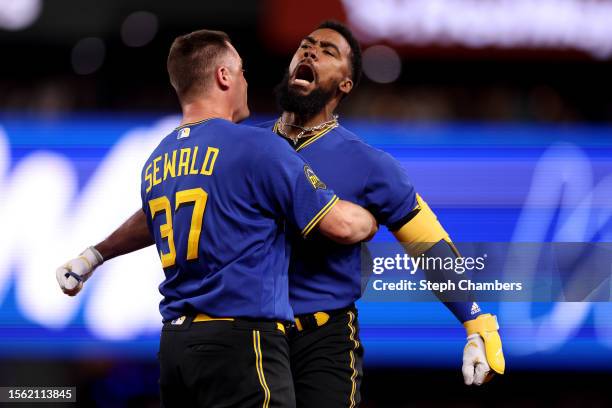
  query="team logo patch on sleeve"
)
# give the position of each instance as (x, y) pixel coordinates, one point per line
(314, 180)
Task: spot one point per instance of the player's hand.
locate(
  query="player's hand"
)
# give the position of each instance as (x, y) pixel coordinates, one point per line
(75, 272)
(476, 370)
(482, 355)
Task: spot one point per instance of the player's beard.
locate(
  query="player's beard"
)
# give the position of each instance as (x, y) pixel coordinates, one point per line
(302, 105)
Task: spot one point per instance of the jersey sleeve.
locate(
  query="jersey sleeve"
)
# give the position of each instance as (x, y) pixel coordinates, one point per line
(143, 197)
(389, 195)
(286, 185)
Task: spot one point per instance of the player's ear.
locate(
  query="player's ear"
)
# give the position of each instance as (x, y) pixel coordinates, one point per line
(222, 75)
(345, 86)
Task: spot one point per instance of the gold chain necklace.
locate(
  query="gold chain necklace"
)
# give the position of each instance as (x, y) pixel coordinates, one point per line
(305, 131)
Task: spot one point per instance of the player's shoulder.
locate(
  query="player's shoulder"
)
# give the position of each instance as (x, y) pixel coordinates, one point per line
(370, 158)
(263, 143)
(356, 145)
(259, 134)
(268, 124)
(163, 144)
(244, 135)
(347, 135)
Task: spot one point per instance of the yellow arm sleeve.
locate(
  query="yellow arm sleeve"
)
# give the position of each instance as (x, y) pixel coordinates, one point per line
(423, 231)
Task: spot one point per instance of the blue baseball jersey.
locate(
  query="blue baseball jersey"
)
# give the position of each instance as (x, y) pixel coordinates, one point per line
(324, 275)
(218, 198)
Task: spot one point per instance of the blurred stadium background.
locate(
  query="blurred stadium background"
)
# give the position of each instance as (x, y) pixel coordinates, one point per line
(500, 110)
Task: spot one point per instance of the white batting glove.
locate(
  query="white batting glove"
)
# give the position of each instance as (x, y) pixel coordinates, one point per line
(475, 367)
(75, 272)
(482, 355)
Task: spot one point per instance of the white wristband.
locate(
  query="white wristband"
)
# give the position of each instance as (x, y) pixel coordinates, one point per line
(92, 256)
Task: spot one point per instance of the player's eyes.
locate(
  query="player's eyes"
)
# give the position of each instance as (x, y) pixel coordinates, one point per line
(328, 53)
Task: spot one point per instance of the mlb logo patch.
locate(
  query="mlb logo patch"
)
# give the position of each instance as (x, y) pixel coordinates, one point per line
(183, 133)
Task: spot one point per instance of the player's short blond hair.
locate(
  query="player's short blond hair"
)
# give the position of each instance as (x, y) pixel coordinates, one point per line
(192, 61)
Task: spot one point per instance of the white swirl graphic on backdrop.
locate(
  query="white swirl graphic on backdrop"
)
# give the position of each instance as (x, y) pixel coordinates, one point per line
(46, 221)
(561, 200)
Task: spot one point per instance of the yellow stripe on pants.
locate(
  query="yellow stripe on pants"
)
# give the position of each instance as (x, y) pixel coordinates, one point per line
(352, 356)
(259, 366)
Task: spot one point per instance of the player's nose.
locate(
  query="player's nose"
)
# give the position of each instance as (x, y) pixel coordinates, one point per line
(310, 53)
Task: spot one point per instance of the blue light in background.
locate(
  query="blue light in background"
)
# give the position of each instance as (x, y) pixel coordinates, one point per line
(480, 179)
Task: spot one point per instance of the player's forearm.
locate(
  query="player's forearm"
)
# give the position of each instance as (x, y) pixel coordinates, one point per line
(131, 236)
(463, 310)
(348, 223)
(424, 235)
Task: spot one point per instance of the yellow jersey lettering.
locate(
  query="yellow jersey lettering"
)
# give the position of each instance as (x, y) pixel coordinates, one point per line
(183, 167)
(169, 166)
(192, 169)
(156, 180)
(148, 178)
(209, 161)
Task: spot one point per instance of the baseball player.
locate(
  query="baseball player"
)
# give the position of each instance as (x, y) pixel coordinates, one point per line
(326, 354)
(324, 278)
(217, 198)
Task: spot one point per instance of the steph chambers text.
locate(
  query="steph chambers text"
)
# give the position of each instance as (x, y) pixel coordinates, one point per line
(462, 285)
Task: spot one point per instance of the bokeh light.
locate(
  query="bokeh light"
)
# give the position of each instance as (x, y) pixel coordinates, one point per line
(19, 14)
(139, 29)
(88, 55)
(381, 64)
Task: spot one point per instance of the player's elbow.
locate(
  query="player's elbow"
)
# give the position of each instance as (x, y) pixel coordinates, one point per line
(348, 224)
(341, 232)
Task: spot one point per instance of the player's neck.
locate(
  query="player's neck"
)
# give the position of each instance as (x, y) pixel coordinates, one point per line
(204, 109)
(305, 121)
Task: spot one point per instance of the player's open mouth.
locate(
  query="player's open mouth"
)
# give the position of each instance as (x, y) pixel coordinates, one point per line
(304, 75)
